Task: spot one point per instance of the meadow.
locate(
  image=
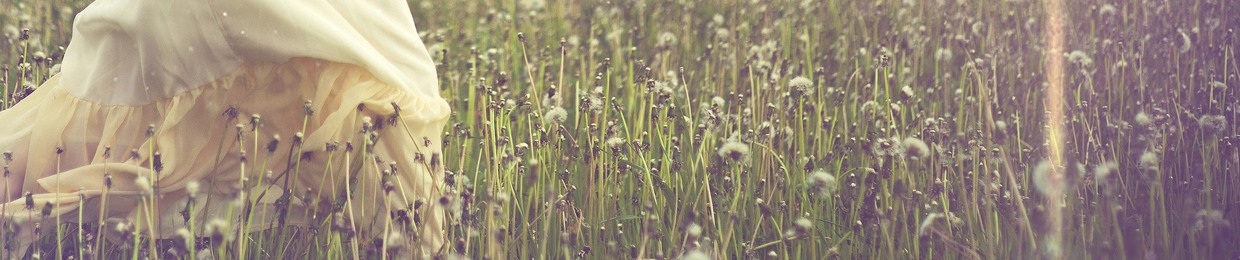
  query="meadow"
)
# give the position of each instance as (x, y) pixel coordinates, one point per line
(730, 129)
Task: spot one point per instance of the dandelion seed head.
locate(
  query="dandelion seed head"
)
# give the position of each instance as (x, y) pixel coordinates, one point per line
(1212, 123)
(557, 115)
(218, 230)
(928, 223)
(145, 184)
(1103, 172)
(1143, 119)
(1106, 9)
(667, 39)
(822, 182)
(734, 150)
(695, 255)
(803, 225)
(1148, 160)
(1210, 219)
(191, 188)
(943, 54)
(1048, 179)
(801, 85)
(615, 142)
(1081, 58)
(915, 148)
(694, 230)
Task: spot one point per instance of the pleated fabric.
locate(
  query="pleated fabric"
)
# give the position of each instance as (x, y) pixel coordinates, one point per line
(337, 127)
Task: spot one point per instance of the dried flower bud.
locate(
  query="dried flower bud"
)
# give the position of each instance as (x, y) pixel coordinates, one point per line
(275, 143)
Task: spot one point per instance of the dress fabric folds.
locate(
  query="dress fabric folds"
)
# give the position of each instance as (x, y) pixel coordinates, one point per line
(174, 109)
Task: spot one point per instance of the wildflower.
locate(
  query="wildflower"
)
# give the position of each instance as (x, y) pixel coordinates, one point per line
(557, 115)
(187, 237)
(1212, 123)
(928, 223)
(1106, 9)
(1143, 119)
(717, 102)
(122, 228)
(532, 5)
(695, 255)
(1210, 218)
(1104, 171)
(915, 148)
(885, 147)
(822, 182)
(869, 107)
(1149, 160)
(1188, 42)
(943, 54)
(615, 143)
(191, 188)
(1079, 57)
(803, 225)
(666, 40)
(1048, 179)
(1218, 84)
(801, 86)
(908, 92)
(734, 150)
(694, 230)
(145, 184)
(218, 230)
(47, 209)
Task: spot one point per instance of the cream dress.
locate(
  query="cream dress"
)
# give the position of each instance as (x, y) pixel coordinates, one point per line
(160, 98)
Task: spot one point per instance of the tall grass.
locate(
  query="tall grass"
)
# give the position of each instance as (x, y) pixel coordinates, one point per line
(794, 129)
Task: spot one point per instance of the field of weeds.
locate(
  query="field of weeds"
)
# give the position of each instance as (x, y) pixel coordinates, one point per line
(832, 129)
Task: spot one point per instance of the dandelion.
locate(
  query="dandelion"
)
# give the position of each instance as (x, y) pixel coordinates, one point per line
(801, 86)
(1079, 57)
(557, 115)
(1143, 119)
(734, 150)
(1210, 218)
(218, 230)
(928, 223)
(803, 225)
(869, 107)
(186, 237)
(943, 54)
(1212, 123)
(122, 228)
(1187, 42)
(1148, 161)
(191, 188)
(615, 143)
(1104, 171)
(145, 184)
(915, 148)
(694, 230)
(667, 39)
(1218, 85)
(695, 255)
(1107, 9)
(822, 182)
(1047, 178)
(717, 102)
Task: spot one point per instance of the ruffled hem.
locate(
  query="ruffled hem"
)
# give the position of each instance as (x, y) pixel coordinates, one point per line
(69, 154)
